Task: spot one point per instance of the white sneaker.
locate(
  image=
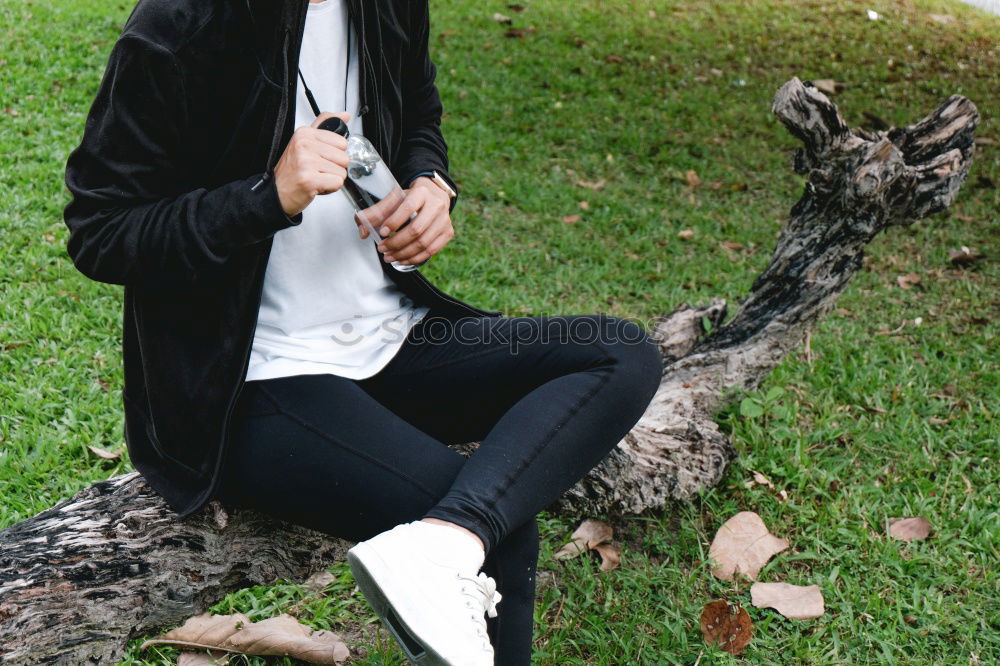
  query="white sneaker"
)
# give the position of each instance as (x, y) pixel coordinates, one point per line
(427, 593)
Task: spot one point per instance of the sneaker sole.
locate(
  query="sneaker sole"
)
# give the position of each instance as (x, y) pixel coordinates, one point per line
(368, 569)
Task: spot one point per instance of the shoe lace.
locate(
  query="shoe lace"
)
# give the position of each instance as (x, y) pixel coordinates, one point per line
(483, 597)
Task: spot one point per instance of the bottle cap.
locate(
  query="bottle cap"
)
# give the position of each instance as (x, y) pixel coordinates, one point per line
(335, 125)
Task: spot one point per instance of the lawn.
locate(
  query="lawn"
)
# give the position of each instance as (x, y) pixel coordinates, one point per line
(892, 413)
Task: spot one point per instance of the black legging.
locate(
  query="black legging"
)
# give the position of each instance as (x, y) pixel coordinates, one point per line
(547, 397)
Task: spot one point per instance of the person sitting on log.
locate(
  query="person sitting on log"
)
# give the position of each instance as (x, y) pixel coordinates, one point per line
(275, 360)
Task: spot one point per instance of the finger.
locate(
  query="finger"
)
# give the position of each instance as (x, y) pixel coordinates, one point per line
(411, 203)
(377, 213)
(413, 231)
(320, 165)
(324, 139)
(418, 234)
(431, 247)
(436, 246)
(325, 183)
(433, 212)
(362, 229)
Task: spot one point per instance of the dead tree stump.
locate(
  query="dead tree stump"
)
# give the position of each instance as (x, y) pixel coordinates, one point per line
(113, 562)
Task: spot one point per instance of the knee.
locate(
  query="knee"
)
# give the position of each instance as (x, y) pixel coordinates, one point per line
(635, 355)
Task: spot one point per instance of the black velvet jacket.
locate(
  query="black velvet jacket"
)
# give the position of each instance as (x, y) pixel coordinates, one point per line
(172, 197)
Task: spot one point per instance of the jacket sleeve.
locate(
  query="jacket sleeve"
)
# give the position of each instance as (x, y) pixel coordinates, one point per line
(423, 147)
(134, 217)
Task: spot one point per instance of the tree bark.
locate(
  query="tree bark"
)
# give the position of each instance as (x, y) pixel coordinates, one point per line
(113, 562)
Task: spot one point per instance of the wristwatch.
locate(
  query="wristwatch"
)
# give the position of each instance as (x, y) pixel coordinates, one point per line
(438, 180)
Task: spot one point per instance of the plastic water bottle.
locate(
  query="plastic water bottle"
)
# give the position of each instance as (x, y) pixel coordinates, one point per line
(370, 186)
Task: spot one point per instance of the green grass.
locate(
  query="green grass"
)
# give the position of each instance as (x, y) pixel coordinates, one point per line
(887, 419)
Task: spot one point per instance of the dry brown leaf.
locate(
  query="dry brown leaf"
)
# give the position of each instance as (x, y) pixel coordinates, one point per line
(615, 59)
(743, 546)
(909, 529)
(104, 453)
(611, 556)
(795, 602)
(908, 280)
(571, 219)
(592, 185)
(584, 205)
(318, 581)
(827, 86)
(589, 534)
(276, 636)
(202, 631)
(691, 176)
(964, 256)
(727, 626)
(730, 245)
(685, 234)
(207, 658)
(284, 635)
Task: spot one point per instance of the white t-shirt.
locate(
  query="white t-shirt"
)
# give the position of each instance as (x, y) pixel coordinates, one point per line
(327, 307)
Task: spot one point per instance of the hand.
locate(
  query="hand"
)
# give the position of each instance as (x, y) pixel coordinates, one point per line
(314, 162)
(426, 234)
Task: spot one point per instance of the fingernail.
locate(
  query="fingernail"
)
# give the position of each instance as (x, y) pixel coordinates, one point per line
(384, 231)
(389, 257)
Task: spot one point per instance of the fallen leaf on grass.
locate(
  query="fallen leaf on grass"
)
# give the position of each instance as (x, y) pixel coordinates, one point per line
(318, 581)
(907, 281)
(208, 658)
(502, 19)
(584, 205)
(589, 534)
(592, 185)
(592, 535)
(909, 529)
(616, 59)
(795, 602)
(691, 176)
(685, 234)
(570, 219)
(727, 626)
(276, 636)
(762, 480)
(964, 257)
(611, 556)
(104, 453)
(828, 86)
(743, 545)
(730, 245)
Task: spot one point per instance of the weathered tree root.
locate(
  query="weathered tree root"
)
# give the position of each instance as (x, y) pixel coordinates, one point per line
(79, 580)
